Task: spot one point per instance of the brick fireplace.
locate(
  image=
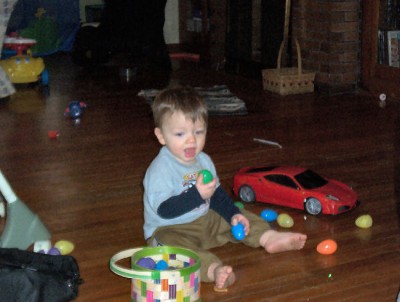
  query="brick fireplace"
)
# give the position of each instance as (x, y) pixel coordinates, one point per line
(328, 32)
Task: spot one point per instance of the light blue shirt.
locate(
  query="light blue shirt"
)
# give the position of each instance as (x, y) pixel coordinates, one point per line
(167, 177)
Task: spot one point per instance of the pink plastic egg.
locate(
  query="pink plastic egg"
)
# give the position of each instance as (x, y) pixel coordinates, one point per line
(327, 247)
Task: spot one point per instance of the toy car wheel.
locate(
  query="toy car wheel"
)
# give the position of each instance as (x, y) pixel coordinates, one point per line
(313, 206)
(247, 194)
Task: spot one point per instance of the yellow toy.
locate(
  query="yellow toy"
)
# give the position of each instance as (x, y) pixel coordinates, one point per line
(23, 68)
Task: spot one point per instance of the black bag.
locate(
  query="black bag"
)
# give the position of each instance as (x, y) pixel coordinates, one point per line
(30, 277)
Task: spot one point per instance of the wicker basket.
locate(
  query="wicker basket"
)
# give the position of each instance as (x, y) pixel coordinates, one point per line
(286, 81)
(179, 283)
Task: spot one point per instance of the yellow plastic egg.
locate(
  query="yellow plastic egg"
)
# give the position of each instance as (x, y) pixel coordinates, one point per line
(65, 247)
(364, 221)
(284, 220)
(327, 247)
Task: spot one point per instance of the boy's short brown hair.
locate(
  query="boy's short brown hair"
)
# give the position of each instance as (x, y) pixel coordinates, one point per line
(179, 98)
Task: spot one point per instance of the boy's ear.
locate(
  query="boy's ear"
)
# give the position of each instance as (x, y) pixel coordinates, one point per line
(160, 137)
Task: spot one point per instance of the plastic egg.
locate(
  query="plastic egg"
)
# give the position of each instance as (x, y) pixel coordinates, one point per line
(161, 265)
(207, 176)
(146, 263)
(65, 246)
(327, 247)
(364, 221)
(284, 220)
(238, 231)
(54, 251)
(239, 204)
(269, 215)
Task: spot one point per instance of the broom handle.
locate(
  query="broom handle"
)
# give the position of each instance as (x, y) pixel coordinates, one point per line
(287, 21)
(285, 32)
(6, 190)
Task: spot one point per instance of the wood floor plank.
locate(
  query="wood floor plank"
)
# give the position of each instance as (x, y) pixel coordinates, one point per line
(86, 185)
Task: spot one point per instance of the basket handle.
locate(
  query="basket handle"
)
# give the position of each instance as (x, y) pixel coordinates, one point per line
(127, 272)
(299, 63)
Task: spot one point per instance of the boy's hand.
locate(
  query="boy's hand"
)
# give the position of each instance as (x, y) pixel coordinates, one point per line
(206, 190)
(243, 220)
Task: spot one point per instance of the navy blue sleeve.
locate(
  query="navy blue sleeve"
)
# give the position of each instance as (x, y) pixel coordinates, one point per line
(178, 205)
(222, 204)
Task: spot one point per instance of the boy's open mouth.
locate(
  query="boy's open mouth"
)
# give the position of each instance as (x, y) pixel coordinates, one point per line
(190, 152)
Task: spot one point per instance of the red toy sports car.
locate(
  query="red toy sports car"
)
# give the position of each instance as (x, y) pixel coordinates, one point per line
(294, 187)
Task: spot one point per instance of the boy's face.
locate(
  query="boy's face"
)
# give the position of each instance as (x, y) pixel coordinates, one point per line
(182, 137)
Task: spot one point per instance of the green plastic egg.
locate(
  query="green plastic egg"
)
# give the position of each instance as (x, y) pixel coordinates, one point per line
(239, 204)
(284, 220)
(364, 221)
(207, 176)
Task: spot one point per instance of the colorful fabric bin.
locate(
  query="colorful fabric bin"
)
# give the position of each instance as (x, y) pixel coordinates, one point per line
(179, 282)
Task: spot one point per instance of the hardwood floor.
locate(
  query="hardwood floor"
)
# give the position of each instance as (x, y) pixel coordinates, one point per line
(87, 184)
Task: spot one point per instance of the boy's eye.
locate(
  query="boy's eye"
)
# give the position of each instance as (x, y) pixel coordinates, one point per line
(179, 134)
(200, 132)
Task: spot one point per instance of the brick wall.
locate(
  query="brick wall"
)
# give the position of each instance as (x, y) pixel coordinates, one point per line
(329, 34)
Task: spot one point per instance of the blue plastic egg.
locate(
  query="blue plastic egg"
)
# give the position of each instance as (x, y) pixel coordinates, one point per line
(269, 215)
(146, 263)
(238, 231)
(161, 265)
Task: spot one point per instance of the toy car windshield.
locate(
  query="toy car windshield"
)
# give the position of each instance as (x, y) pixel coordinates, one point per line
(310, 180)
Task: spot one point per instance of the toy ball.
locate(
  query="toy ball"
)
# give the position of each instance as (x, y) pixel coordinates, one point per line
(54, 251)
(161, 265)
(146, 263)
(64, 246)
(238, 231)
(285, 221)
(269, 215)
(327, 247)
(239, 204)
(364, 221)
(207, 176)
(75, 109)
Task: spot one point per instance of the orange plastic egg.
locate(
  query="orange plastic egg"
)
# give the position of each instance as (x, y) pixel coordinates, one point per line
(327, 247)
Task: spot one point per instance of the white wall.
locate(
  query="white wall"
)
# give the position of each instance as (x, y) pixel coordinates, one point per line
(171, 26)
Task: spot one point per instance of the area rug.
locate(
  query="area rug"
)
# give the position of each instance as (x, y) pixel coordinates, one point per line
(219, 99)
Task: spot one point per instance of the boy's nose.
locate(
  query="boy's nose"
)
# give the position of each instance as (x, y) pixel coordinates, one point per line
(191, 138)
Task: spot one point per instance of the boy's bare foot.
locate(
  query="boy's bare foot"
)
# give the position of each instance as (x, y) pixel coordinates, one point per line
(223, 276)
(275, 242)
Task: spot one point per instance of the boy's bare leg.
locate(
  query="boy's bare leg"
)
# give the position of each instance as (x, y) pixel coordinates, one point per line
(275, 242)
(223, 276)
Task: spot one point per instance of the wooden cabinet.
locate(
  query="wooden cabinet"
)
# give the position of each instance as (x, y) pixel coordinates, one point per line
(380, 62)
